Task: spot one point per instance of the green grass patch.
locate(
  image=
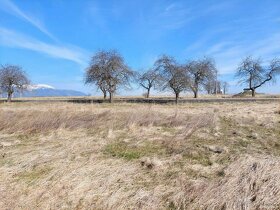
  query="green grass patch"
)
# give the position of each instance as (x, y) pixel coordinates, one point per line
(128, 151)
(33, 175)
(198, 157)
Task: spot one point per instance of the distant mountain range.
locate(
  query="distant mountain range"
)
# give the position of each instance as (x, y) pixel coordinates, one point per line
(42, 90)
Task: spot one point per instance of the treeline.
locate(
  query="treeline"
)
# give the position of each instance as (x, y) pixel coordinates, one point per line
(109, 72)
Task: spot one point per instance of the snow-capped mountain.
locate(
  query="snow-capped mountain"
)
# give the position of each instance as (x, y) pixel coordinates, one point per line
(39, 86)
(43, 90)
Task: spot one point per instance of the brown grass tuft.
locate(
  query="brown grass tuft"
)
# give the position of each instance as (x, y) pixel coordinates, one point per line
(248, 183)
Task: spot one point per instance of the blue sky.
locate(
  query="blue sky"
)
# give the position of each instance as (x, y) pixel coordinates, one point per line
(54, 39)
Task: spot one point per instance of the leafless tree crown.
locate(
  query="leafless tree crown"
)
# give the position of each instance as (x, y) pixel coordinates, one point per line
(149, 79)
(12, 78)
(174, 76)
(201, 72)
(253, 73)
(108, 71)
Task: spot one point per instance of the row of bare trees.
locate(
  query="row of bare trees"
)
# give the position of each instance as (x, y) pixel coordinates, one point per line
(109, 72)
(191, 76)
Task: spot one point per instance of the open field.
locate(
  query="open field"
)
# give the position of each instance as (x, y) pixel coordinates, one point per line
(140, 156)
(163, 99)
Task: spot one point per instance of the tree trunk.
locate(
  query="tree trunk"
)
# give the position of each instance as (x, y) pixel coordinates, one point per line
(148, 93)
(104, 94)
(195, 89)
(253, 92)
(195, 93)
(177, 97)
(9, 97)
(111, 97)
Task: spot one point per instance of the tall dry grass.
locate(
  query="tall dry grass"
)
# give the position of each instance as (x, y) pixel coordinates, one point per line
(71, 118)
(124, 156)
(249, 183)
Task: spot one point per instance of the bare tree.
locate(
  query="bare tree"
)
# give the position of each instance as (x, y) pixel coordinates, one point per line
(12, 78)
(225, 87)
(213, 86)
(200, 72)
(209, 86)
(108, 71)
(173, 75)
(218, 87)
(254, 74)
(149, 79)
(94, 73)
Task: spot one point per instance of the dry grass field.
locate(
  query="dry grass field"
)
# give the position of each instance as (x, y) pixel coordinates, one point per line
(139, 156)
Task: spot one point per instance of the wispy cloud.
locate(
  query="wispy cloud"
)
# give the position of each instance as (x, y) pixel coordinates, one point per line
(174, 16)
(229, 41)
(228, 56)
(14, 39)
(10, 7)
(218, 47)
(177, 15)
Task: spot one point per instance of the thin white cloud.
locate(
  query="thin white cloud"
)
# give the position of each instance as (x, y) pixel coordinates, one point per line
(217, 47)
(228, 57)
(174, 16)
(11, 38)
(178, 15)
(10, 7)
(269, 47)
(232, 48)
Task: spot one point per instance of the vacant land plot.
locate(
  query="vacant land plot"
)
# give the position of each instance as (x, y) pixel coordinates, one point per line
(140, 156)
